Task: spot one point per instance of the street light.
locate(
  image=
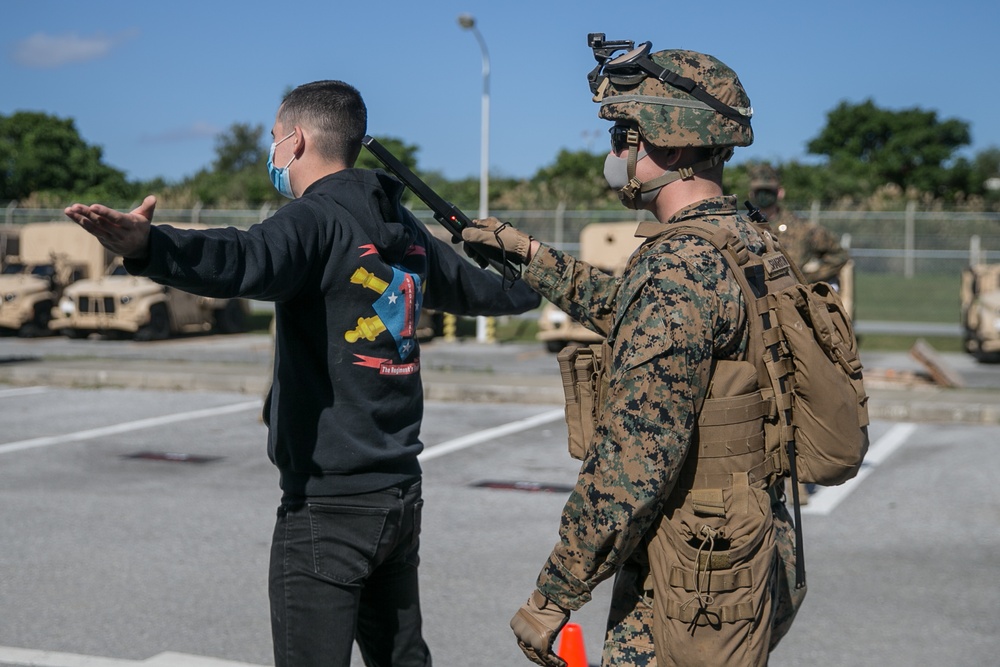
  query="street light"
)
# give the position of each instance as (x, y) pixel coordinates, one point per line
(468, 22)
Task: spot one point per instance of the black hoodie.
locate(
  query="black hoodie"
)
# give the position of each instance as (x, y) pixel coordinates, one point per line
(349, 269)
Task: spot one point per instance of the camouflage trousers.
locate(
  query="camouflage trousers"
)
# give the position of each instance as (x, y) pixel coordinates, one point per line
(629, 638)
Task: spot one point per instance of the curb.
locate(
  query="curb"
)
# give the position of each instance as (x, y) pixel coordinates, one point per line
(923, 404)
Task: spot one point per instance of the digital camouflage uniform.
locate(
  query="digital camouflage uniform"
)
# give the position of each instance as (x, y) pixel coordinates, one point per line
(674, 310)
(813, 248)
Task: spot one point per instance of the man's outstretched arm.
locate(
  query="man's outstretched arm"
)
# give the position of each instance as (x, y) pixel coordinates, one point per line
(125, 234)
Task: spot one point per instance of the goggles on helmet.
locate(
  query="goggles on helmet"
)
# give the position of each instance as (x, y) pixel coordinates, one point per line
(634, 65)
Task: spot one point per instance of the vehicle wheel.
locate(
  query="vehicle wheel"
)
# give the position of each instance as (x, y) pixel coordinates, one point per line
(231, 318)
(39, 324)
(555, 346)
(75, 334)
(986, 357)
(158, 327)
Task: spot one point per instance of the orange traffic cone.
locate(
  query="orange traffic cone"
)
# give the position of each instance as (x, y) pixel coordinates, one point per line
(571, 647)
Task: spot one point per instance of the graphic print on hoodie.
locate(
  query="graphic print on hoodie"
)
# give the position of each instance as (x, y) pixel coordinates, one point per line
(397, 310)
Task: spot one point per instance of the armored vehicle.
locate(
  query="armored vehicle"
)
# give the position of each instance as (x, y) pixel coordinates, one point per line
(50, 256)
(981, 311)
(607, 246)
(118, 304)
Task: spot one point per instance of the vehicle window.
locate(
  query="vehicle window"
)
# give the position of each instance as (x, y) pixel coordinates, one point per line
(43, 270)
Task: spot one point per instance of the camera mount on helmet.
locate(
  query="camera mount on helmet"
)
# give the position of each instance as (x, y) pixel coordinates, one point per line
(603, 52)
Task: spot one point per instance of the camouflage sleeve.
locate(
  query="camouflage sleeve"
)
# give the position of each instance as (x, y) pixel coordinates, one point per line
(826, 254)
(662, 349)
(582, 291)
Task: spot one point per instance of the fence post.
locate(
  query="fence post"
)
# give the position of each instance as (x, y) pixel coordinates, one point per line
(975, 250)
(195, 212)
(264, 211)
(814, 212)
(560, 222)
(908, 241)
(9, 217)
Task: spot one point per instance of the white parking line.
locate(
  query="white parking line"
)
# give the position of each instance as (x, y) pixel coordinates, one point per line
(125, 427)
(823, 501)
(22, 657)
(22, 391)
(489, 434)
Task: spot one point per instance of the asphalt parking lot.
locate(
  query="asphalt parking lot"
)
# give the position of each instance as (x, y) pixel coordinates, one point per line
(138, 519)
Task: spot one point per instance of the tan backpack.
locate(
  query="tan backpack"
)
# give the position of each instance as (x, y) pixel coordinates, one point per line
(803, 345)
(801, 342)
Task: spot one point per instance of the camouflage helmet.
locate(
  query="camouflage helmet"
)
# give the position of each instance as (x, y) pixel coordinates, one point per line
(764, 177)
(667, 115)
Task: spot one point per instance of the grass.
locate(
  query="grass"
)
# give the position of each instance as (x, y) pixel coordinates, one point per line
(895, 298)
(901, 343)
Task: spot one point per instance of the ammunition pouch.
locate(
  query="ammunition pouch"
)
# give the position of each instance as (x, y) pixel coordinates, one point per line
(583, 370)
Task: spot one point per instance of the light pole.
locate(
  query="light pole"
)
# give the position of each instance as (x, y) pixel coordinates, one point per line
(468, 22)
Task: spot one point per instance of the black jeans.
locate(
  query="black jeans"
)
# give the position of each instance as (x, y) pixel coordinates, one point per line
(343, 569)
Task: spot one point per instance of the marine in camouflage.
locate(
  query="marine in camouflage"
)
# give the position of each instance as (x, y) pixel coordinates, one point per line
(674, 309)
(813, 248)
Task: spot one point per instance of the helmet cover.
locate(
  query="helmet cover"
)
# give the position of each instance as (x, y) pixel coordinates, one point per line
(668, 117)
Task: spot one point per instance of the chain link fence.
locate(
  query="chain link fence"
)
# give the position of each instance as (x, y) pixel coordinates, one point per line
(907, 242)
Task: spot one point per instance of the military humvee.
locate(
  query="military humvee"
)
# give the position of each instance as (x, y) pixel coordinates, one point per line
(50, 256)
(121, 304)
(981, 311)
(607, 246)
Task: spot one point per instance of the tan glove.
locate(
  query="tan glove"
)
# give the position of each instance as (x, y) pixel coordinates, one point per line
(536, 625)
(499, 236)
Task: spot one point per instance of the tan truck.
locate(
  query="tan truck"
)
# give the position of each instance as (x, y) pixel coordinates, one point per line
(50, 257)
(118, 304)
(607, 246)
(980, 295)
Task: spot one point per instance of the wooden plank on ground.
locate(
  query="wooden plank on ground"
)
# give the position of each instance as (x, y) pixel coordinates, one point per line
(939, 371)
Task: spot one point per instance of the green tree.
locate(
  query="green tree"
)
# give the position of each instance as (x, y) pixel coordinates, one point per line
(239, 148)
(872, 146)
(40, 153)
(575, 179)
(404, 152)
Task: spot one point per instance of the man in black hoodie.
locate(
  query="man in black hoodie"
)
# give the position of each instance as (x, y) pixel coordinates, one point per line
(348, 269)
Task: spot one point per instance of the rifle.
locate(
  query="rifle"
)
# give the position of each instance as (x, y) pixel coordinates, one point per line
(446, 213)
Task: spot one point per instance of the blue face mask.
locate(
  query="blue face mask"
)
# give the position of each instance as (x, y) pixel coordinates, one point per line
(279, 175)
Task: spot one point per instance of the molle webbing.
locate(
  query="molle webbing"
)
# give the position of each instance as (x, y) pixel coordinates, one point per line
(727, 417)
(692, 613)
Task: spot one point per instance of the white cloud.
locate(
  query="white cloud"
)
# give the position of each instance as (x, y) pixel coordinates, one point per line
(47, 51)
(196, 130)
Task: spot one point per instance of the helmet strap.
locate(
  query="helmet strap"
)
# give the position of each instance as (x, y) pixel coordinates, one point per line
(631, 194)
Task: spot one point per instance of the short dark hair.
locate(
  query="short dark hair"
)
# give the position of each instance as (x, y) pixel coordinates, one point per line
(335, 111)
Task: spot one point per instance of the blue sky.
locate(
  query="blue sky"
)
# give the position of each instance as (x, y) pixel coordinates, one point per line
(152, 83)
